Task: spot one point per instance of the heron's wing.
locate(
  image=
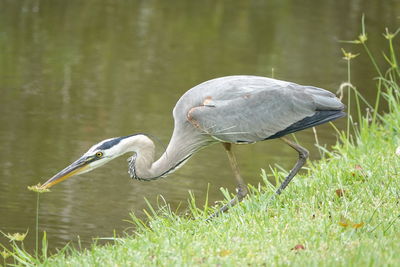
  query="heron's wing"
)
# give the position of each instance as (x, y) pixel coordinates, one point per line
(262, 114)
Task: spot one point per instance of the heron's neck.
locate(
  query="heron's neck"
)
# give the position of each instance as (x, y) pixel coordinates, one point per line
(144, 156)
(145, 167)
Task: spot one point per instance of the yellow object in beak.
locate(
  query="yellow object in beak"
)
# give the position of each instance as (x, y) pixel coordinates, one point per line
(75, 168)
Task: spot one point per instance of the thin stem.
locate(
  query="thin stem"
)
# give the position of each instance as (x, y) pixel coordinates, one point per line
(393, 56)
(348, 99)
(378, 97)
(372, 60)
(356, 95)
(363, 39)
(37, 225)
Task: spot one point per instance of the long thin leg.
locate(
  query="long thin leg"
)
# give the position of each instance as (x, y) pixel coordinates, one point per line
(303, 155)
(241, 186)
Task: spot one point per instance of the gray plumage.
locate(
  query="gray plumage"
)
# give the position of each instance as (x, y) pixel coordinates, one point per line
(229, 110)
(239, 109)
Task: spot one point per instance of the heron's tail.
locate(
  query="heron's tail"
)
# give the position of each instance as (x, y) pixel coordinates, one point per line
(320, 117)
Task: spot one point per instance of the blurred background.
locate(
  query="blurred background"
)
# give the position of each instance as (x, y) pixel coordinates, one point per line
(73, 73)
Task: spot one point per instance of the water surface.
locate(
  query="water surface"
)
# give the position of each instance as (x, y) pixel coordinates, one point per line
(73, 73)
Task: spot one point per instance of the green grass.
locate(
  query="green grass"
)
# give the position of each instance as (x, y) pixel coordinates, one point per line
(343, 211)
(360, 227)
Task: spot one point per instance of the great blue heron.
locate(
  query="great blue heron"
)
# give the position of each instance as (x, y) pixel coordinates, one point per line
(228, 110)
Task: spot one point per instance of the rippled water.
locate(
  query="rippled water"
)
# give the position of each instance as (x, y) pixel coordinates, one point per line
(74, 73)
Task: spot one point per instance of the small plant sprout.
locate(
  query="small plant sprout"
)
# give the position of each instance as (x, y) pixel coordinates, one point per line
(389, 35)
(38, 188)
(348, 55)
(362, 37)
(15, 236)
(5, 254)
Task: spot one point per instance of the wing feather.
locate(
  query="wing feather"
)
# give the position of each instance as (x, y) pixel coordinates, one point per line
(259, 113)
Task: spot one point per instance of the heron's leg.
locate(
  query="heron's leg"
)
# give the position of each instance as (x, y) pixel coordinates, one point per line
(303, 155)
(241, 186)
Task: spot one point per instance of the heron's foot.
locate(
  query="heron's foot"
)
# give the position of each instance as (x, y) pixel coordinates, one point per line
(241, 193)
(131, 166)
(224, 208)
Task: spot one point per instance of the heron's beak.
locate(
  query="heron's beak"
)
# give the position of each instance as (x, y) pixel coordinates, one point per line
(79, 166)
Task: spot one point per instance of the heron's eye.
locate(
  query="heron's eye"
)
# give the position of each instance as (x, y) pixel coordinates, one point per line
(99, 154)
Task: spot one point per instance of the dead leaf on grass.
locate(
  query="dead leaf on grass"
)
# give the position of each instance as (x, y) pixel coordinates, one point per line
(225, 252)
(298, 247)
(340, 192)
(344, 222)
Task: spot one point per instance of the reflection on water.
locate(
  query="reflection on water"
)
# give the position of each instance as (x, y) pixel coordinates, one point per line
(72, 74)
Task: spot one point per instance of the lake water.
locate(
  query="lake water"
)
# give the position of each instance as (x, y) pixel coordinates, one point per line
(73, 73)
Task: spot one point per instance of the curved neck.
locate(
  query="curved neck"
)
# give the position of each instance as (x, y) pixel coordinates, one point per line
(144, 150)
(144, 167)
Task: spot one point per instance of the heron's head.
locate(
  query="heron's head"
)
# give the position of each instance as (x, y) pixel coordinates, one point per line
(96, 156)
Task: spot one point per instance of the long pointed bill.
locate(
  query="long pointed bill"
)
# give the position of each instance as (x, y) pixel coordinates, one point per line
(75, 168)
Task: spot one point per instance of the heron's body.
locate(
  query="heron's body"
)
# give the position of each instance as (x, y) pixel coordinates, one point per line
(230, 110)
(241, 109)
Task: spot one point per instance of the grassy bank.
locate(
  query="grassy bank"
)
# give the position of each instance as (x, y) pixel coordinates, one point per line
(345, 210)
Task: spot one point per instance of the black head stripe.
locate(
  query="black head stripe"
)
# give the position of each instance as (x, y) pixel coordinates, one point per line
(109, 144)
(112, 142)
